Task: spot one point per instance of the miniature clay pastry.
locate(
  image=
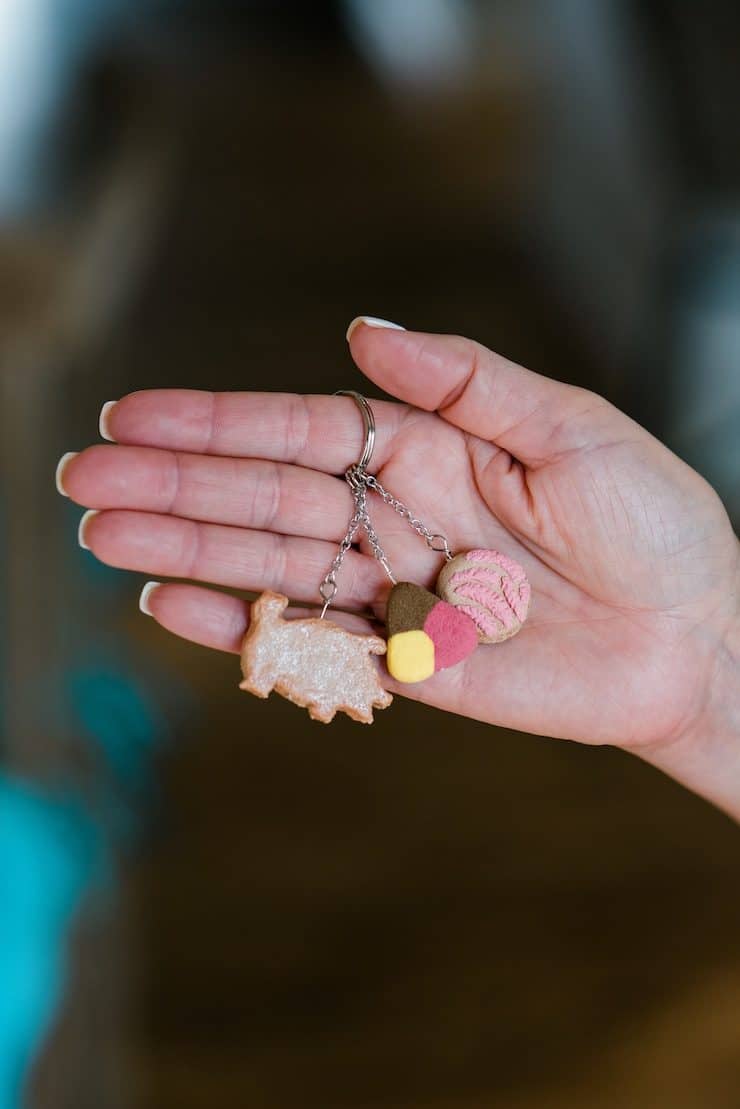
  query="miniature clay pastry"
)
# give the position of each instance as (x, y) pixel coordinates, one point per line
(425, 634)
(489, 588)
(314, 663)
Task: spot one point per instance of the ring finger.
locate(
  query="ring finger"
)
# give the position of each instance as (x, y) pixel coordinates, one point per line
(239, 558)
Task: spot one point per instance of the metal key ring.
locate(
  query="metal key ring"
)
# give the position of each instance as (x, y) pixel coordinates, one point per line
(368, 420)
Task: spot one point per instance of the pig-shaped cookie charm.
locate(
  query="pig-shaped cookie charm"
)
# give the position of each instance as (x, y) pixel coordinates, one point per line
(314, 663)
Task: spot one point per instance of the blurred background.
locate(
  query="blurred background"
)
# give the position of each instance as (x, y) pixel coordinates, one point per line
(207, 901)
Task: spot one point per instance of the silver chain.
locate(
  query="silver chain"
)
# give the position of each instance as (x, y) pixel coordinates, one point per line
(434, 540)
(359, 482)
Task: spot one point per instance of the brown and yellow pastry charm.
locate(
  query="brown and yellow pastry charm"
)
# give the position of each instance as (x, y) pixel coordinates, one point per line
(425, 634)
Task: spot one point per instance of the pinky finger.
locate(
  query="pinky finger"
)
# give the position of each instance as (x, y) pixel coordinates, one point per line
(203, 616)
(214, 619)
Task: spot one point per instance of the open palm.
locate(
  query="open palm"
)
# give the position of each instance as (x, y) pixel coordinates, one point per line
(630, 554)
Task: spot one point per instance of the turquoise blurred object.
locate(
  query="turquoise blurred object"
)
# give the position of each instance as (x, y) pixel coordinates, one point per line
(124, 728)
(105, 718)
(50, 856)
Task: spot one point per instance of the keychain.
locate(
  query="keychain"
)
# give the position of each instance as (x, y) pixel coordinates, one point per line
(481, 597)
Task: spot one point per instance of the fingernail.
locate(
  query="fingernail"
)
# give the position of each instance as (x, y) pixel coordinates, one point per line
(61, 467)
(85, 520)
(372, 321)
(105, 412)
(145, 594)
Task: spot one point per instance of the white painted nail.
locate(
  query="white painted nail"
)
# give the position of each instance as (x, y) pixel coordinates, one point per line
(105, 412)
(372, 321)
(145, 594)
(61, 467)
(86, 518)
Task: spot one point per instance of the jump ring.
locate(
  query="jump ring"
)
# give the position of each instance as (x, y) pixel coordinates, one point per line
(438, 543)
(368, 420)
(328, 591)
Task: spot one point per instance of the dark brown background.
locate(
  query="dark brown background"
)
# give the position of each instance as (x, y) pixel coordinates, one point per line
(432, 913)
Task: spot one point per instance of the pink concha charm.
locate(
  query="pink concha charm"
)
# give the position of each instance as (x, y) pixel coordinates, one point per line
(489, 588)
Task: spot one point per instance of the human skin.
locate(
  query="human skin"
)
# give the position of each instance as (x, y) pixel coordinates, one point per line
(633, 637)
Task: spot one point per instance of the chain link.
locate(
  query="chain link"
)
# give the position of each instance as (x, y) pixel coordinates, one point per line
(359, 482)
(434, 540)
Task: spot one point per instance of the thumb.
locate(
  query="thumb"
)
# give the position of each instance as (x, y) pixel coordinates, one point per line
(532, 417)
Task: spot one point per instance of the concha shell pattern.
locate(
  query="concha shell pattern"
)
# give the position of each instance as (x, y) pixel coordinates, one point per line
(489, 588)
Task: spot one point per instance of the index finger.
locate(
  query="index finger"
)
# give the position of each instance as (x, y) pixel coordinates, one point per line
(323, 433)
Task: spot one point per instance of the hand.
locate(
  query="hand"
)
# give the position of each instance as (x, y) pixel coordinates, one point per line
(633, 629)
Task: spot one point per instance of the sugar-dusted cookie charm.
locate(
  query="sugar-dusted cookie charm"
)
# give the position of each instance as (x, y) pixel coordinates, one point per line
(489, 588)
(425, 634)
(314, 663)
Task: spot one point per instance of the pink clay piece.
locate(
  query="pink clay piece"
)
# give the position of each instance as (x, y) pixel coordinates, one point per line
(453, 633)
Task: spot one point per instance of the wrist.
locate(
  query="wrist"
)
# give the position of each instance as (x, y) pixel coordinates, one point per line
(706, 756)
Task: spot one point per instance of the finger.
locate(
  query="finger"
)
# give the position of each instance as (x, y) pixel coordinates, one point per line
(234, 557)
(214, 619)
(324, 433)
(203, 616)
(242, 492)
(532, 417)
(496, 684)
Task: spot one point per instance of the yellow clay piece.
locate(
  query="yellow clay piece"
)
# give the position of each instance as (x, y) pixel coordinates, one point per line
(410, 656)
